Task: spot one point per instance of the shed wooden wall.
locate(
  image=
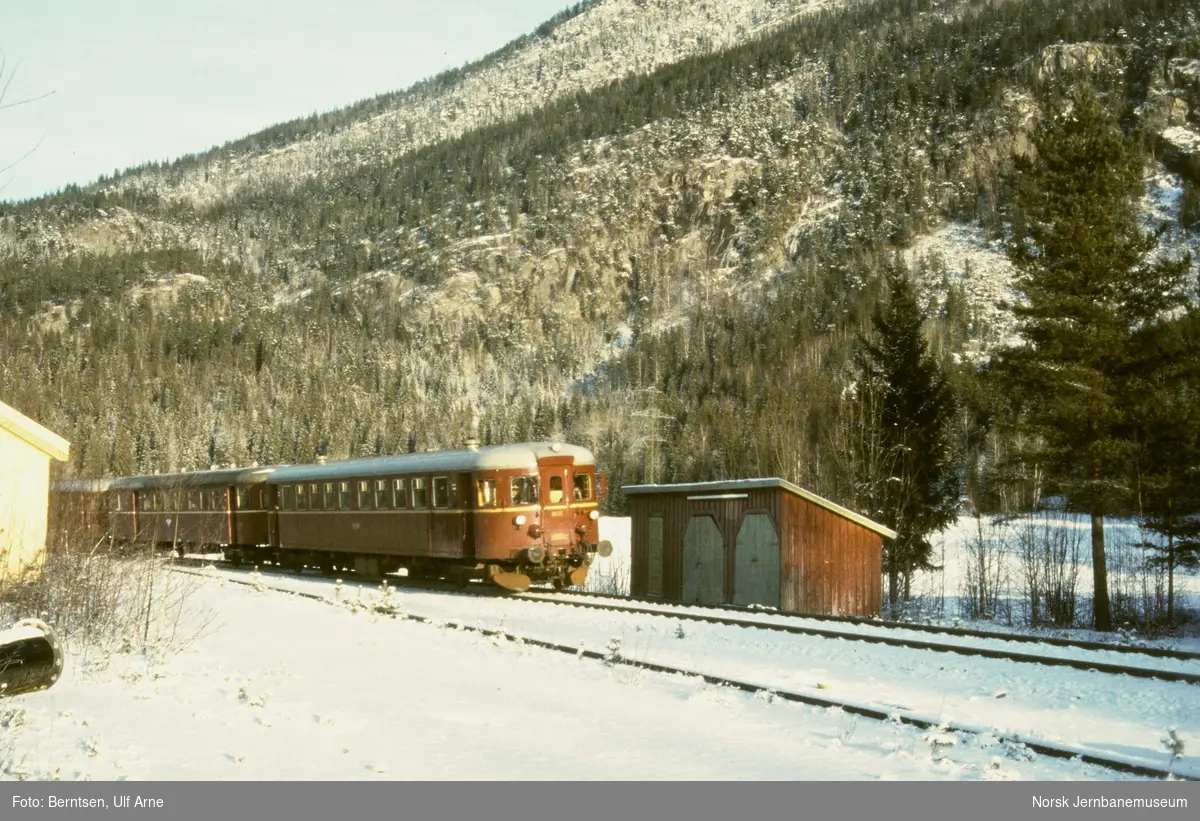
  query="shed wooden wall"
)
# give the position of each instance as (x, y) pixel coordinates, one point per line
(24, 499)
(829, 565)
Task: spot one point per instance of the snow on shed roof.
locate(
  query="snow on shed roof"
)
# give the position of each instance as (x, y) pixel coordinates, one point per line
(24, 428)
(752, 484)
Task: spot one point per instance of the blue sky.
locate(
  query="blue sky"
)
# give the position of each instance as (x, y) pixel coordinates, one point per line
(131, 81)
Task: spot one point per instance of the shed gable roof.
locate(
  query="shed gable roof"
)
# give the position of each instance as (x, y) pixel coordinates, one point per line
(25, 429)
(753, 484)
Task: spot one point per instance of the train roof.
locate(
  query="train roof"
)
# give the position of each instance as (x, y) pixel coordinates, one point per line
(202, 478)
(520, 456)
(83, 485)
(737, 485)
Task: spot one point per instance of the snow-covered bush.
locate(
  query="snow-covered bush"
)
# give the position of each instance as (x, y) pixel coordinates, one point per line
(102, 600)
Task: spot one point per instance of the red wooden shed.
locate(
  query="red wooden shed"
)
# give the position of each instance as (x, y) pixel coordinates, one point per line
(754, 542)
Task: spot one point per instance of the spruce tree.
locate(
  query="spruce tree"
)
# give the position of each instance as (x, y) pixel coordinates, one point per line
(1088, 284)
(911, 476)
(1167, 385)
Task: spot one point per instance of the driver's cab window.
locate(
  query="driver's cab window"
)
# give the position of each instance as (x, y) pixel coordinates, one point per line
(524, 490)
(556, 489)
(583, 487)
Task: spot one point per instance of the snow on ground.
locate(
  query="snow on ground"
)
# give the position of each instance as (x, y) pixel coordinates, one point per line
(286, 688)
(259, 685)
(1105, 713)
(1124, 559)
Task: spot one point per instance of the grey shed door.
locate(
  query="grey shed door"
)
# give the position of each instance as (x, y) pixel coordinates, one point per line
(654, 575)
(756, 562)
(703, 562)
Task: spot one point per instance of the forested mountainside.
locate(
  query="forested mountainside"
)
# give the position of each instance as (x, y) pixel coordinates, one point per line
(654, 227)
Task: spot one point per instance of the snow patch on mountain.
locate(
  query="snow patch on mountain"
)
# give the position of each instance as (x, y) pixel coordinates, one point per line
(610, 40)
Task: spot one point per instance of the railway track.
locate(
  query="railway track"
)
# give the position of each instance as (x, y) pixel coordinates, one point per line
(1040, 747)
(892, 641)
(1153, 652)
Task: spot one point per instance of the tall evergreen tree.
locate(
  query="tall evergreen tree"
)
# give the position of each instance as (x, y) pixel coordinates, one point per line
(1168, 437)
(1088, 285)
(911, 480)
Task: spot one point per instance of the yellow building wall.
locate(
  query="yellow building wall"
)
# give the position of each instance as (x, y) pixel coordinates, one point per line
(24, 500)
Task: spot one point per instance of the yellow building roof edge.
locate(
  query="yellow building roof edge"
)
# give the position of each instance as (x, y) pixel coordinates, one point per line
(21, 426)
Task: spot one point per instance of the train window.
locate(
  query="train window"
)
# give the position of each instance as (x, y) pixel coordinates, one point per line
(120, 505)
(301, 497)
(144, 501)
(399, 494)
(330, 496)
(364, 495)
(242, 499)
(441, 492)
(419, 499)
(556, 489)
(583, 487)
(193, 500)
(344, 495)
(382, 502)
(287, 497)
(485, 492)
(524, 490)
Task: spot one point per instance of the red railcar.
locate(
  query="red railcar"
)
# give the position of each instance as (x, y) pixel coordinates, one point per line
(514, 514)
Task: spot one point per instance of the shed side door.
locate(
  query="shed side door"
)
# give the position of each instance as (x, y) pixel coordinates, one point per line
(703, 562)
(654, 559)
(756, 567)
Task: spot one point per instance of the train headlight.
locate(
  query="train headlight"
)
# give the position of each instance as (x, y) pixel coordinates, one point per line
(535, 554)
(518, 520)
(594, 515)
(604, 548)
